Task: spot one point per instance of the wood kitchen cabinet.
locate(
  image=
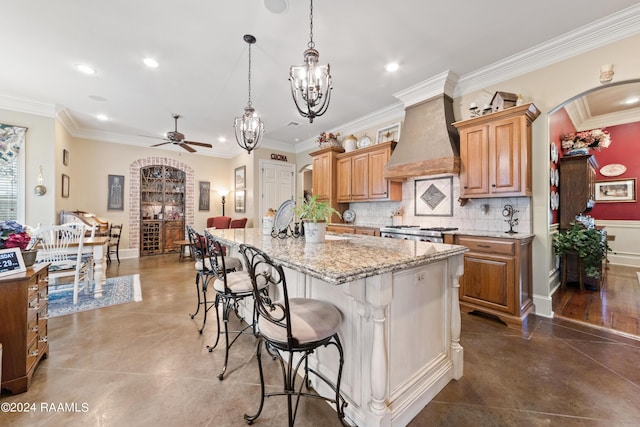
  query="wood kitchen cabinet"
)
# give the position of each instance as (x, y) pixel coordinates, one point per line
(324, 177)
(360, 175)
(23, 325)
(353, 229)
(497, 277)
(577, 187)
(495, 153)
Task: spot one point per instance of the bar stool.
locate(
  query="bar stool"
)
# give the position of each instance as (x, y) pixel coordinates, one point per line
(230, 288)
(291, 326)
(204, 274)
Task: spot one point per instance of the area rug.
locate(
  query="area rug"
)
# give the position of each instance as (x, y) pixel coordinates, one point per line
(117, 290)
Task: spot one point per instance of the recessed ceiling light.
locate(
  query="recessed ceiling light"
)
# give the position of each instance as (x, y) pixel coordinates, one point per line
(97, 98)
(392, 66)
(150, 62)
(102, 117)
(276, 6)
(222, 139)
(632, 100)
(84, 68)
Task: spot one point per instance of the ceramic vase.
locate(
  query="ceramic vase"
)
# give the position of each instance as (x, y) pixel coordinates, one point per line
(315, 232)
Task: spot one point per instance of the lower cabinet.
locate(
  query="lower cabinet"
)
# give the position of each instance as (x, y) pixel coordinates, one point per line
(497, 277)
(353, 229)
(23, 325)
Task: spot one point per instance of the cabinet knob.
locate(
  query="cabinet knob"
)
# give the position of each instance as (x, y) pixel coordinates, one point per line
(493, 185)
(465, 187)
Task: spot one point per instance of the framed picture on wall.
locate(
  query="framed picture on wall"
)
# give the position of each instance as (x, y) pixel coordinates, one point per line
(239, 201)
(115, 201)
(65, 157)
(204, 197)
(389, 133)
(65, 186)
(240, 177)
(616, 190)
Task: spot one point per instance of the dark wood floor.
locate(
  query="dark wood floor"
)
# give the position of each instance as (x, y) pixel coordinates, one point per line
(616, 306)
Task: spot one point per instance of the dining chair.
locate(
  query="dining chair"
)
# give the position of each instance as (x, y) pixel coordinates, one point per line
(288, 327)
(113, 247)
(219, 222)
(231, 288)
(204, 274)
(238, 223)
(62, 247)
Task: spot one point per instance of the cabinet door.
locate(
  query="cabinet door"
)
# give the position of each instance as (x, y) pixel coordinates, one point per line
(343, 176)
(488, 281)
(474, 168)
(504, 156)
(378, 186)
(173, 231)
(321, 177)
(360, 177)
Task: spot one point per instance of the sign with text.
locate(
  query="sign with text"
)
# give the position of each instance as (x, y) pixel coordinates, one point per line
(11, 262)
(280, 157)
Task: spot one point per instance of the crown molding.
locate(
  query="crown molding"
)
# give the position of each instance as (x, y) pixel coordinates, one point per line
(444, 82)
(27, 106)
(599, 33)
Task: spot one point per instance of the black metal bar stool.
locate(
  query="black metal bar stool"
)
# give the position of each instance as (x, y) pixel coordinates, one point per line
(290, 326)
(231, 288)
(204, 273)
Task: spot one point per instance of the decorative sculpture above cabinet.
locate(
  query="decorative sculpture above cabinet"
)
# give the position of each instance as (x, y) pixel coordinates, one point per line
(495, 153)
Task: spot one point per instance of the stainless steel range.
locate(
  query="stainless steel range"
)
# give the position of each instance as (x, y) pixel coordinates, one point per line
(415, 232)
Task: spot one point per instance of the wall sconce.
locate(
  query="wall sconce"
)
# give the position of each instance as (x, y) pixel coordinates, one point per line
(606, 73)
(40, 189)
(223, 193)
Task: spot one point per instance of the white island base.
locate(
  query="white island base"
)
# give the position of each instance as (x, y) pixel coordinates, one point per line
(400, 333)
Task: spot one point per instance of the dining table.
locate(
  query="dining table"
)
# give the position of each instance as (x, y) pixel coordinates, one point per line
(98, 245)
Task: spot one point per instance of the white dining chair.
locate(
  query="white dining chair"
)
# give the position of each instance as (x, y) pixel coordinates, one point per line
(62, 247)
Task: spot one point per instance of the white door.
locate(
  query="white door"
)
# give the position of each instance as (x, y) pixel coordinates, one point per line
(277, 184)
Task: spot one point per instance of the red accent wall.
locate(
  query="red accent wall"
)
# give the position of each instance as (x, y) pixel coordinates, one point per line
(559, 124)
(625, 150)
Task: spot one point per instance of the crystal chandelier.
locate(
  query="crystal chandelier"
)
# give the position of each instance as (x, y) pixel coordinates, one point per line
(310, 82)
(249, 127)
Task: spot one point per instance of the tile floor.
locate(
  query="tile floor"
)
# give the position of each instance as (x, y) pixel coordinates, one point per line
(144, 364)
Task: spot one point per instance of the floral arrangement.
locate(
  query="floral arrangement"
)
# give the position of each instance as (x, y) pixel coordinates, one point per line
(13, 235)
(596, 138)
(326, 136)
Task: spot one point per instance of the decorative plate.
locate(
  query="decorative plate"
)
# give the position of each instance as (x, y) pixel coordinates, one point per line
(364, 141)
(557, 200)
(284, 215)
(349, 216)
(552, 176)
(552, 198)
(556, 178)
(614, 169)
(554, 153)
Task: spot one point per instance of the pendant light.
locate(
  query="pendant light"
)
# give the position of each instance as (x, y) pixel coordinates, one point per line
(249, 127)
(310, 82)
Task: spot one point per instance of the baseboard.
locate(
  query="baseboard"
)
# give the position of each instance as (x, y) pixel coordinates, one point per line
(544, 305)
(629, 260)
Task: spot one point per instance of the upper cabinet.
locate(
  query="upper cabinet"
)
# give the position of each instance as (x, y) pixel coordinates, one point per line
(360, 175)
(495, 153)
(323, 177)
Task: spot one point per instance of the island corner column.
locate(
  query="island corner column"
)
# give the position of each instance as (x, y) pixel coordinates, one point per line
(456, 269)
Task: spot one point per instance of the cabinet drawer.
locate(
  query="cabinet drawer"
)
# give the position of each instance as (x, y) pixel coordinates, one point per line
(482, 244)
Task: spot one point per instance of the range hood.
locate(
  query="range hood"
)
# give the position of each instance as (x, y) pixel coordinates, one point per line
(429, 144)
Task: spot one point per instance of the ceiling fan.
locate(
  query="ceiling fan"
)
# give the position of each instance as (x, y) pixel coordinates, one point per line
(177, 138)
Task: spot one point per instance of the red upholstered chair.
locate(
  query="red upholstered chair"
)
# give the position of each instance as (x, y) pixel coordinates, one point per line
(238, 223)
(219, 222)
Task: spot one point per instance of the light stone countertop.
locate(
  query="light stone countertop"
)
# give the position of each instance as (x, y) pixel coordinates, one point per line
(341, 258)
(484, 233)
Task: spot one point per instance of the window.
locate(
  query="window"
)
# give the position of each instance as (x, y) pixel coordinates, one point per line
(12, 168)
(9, 190)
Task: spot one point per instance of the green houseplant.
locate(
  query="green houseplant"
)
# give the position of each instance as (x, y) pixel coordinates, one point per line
(588, 243)
(315, 214)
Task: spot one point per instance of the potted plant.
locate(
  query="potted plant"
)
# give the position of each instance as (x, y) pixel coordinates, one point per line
(587, 243)
(315, 214)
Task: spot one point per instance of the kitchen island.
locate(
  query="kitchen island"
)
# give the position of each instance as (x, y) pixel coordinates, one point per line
(401, 318)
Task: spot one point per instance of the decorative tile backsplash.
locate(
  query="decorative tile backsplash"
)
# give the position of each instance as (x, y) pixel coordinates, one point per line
(476, 214)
